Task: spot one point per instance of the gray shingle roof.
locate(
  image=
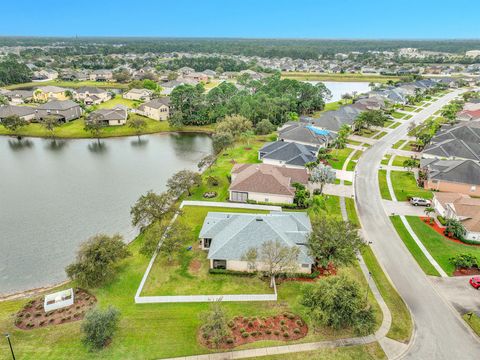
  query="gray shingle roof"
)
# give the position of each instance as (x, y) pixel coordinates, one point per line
(9, 110)
(289, 152)
(156, 103)
(458, 171)
(233, 234)
(58, 105)
(301, 133)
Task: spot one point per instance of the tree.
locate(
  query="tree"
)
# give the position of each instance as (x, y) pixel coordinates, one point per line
(3, 100)
(69, 94)
(50, 122)
(150, 207)
(234, 125)
(206, 162)
(14, 123)
(455, 227)
(429, 210)
(247, 136)
(138, 124)
(301, 195)
(409, 164)
(182, 181)
(278, 258)
(333, 241)
(95, 125)
(370, 118)
(337, 302)
(121, 75)
(251, 257)
(221, 141)
(177, 235)
(324, 155)
(99, 326)
(264, 127)
(342, 136)
(96, 259)
(215, 324)
(151, 238)
(13, 72)
(323, 174)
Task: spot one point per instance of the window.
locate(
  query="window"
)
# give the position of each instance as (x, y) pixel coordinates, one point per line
(473, 188)
(220, 264)
(305, 265)
(206, 243)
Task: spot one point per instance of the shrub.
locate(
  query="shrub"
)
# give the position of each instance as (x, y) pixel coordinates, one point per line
(464, 261)
(253, 333)
(291, 316)
(250, 324)
(285, 334)
(317, 192)
(284, 328)
(242, 330)
(299, 322)
(296, 331)
(264, 127)
(441, 220)
(276, 332)
(268, 331)
(245, 334)
(282, 322)
(229, 341)
(99, 327)
(231, 323)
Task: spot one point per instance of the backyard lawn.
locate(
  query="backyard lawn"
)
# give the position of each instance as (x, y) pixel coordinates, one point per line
(405, 186)
(439, 246)
(118, 100)
(382, 182)
(412, 246)
(338, 157)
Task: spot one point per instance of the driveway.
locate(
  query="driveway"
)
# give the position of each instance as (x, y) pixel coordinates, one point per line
(402, 208)
(463, 297)
(440, 332)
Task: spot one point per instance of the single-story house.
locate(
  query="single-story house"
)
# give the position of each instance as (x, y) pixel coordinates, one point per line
(265, 183)
(19, 96)
(110, 117)
(228, 236)
(25, 112)
(289, 154)
(138, 94)
(462, 176)
(50, 92)
(91, 95)
(157, 109)
(66, 110)
(305, 134)
(460, 207)
(197, 76)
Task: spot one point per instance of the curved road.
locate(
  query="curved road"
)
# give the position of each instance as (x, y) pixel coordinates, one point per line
(440, 332)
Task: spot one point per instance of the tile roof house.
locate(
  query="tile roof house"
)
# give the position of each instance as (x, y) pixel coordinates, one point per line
(289, 154)
(305, 134)
(460, 207)
(25, 112)
(228, 236)
(110, 117)
(157, 109)
(66, 110)
(462, 176)
(265, 183)
(468, 115)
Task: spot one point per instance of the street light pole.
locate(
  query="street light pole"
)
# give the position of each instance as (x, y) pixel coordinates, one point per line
(10, 344)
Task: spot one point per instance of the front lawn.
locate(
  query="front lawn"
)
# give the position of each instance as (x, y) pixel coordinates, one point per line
(353, 161)
(398, 160)
(386, 159)
(412, 246)
(382, 182)
(397, 115)
(439, 246)
(405, 186)
(352, 211)
(395, 125)
(474, 321)
(398, 144)
(338, 157)
(368, 133)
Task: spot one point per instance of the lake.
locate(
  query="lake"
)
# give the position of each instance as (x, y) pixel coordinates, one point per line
(338, 88)
(54, 195)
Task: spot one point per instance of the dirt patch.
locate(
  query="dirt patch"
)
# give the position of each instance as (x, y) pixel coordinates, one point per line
(194, 266)
(33, 315)
(244, 330)
(466, 271)
(247, 148)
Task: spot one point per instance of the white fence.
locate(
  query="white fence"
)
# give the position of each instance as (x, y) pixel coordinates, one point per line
(231, 205)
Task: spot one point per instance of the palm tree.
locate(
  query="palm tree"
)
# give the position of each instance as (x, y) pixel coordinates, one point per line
(428, 211)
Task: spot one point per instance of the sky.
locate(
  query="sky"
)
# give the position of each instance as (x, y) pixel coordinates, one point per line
(345, 19)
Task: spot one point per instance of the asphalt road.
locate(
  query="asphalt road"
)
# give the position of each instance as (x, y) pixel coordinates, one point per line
(440, 332)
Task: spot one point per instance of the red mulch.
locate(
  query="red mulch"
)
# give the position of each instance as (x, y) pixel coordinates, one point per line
(466, 271)
(440, 229)
(323, 272)
(258, 330)
(247, 148)
(33, 316)
(194, 266)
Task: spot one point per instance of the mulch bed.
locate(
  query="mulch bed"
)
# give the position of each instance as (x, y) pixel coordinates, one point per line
(286, 327)
(194, 266)
(440, 229)
(33, 316)
(466, 271)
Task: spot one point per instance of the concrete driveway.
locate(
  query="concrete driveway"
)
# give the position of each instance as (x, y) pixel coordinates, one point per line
(402, 208)
(459, 293)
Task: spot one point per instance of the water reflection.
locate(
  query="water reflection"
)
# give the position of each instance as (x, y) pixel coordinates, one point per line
(98, 147)
(17, 145)
(56, 145)
(139, 143)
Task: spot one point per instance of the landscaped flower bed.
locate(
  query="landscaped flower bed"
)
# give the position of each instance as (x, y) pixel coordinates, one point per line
(33, 316)
(441, 230)
(245, 330)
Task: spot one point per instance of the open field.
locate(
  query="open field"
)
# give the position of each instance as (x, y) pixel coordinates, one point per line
(338, 77)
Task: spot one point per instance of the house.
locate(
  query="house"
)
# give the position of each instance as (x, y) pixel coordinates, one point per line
(462, 176)
(66, 110)
(157, 109)
(289, 154)
(210, 73)
(333, 120)
(45, 93)
(460, 207)
(169, 86)
(91, 95)
(109, 117)
(185, 70)
(138, 94)
(265, 183)
(45, 75)
(197, 76)
(469, 115)
(71, 75)
(101, 75)
(228, 236)
(25, 112)
(305, 134)
(16, 97)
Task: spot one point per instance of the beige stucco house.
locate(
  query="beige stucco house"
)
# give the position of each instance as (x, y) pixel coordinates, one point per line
(46, 93)
(157, 109)
(138, 94)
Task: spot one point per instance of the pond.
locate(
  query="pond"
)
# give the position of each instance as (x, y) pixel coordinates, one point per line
(54, 195)
(338, 88)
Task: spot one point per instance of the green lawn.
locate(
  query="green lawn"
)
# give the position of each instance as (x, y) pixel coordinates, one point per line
(398, 160)
(332, 106)
(402, 324)
(325, 205)
(352, 211)
(397, 115)
(366, 352)
(338, 157)
(69, 84)
(386, 159)
(75, 129)
(474, 322)
(395, 125)
(398, 144)
(382, 182)
(388, 123)
(405, 185)
(408, 117)
(338, 77)
(353, 161)
(118, 100)
(438, 246)
(380, 135)
(368, 133)
(412, 246)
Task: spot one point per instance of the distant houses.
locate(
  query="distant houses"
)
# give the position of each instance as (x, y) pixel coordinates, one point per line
(90, 95)
(46, 93)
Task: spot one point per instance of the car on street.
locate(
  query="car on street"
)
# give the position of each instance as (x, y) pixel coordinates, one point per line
(475, 282)
(417, 201)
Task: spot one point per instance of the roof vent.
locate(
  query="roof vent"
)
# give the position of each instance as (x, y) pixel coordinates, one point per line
(258, 219)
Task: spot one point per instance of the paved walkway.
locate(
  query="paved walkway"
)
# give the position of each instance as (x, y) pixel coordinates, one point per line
(337, 190)
(344, 175)
(392, 168)
(362, 139)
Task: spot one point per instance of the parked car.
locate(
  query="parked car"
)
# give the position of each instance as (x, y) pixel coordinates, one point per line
(475, 282)
(416, 201)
